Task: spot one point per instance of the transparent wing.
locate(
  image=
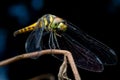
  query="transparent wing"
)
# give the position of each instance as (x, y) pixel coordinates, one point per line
(102, 51)
(83, 57)
(34, 40)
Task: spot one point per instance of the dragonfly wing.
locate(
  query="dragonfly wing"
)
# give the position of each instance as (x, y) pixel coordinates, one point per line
(34, 40)
(83, 57)
(105, 53)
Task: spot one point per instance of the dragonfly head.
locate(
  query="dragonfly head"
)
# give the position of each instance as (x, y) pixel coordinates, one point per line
(59, 25)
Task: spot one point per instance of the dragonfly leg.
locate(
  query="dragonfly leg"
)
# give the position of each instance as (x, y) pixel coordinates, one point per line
(56, 41)
(49, 42)
(53, 43)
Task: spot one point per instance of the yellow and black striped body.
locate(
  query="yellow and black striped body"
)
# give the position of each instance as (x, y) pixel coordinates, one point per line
(48, 21)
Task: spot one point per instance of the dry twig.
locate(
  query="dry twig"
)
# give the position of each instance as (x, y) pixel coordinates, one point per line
(43, 52)
(62, 75)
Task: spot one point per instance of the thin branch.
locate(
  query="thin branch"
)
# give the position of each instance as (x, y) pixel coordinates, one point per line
(43, 52)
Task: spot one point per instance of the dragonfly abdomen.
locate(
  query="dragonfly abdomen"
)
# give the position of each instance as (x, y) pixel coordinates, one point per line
(26, 29)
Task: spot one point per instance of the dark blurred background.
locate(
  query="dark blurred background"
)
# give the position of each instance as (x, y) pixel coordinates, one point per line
(98, 18)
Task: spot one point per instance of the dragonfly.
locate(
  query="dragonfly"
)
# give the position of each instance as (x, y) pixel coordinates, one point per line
(53, 32)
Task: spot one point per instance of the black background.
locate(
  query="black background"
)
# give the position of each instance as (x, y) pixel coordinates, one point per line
(92, 16)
